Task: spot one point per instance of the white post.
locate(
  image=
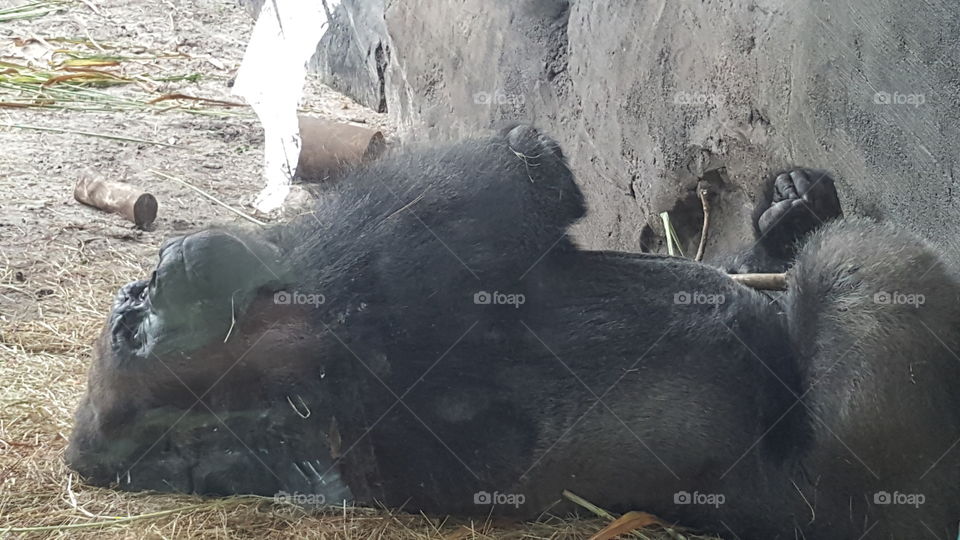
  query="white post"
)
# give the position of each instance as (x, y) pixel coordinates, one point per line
(271, 80)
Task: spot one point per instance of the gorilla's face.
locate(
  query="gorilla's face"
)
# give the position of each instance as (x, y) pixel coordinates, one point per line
(203, 381)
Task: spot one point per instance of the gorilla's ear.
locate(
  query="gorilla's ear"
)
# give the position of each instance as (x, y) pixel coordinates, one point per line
(504, 128)
(529, 141)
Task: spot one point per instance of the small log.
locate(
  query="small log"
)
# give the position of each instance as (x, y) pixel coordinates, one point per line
(128, 201)
(766, 282)
(328, 147)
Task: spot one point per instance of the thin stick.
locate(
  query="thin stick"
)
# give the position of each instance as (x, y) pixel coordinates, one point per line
(767, 282)
(166, 97)
(580, 501)
(76, 506)
(665, 217)
(673, 242)
(210, 197)
(706, 223)
(88, 134)
(94, 9)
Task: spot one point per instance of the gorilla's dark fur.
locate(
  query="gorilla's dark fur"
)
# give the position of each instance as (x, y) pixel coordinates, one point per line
(430, 338)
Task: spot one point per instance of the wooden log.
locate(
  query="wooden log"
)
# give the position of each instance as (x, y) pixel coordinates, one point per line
(329, 147)
(767, 282)
(128, 201)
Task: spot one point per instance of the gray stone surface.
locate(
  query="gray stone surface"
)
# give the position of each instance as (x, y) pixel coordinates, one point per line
(647, 96)
(353, 55)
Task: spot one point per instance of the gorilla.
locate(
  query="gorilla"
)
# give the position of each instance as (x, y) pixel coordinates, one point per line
(430, 338)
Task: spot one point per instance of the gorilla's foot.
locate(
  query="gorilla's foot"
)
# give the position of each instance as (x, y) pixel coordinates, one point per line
(795, 203)
(800, 201)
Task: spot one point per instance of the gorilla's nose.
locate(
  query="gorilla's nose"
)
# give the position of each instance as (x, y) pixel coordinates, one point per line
(527, 140)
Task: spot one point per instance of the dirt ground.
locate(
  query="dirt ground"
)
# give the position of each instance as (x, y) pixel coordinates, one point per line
(72, 73)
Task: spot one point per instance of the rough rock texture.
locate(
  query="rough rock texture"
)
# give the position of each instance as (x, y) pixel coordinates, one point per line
(646, 97)
(352, 55)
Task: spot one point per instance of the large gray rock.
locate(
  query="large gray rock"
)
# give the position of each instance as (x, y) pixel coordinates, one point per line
(647, 97)
(353, 53)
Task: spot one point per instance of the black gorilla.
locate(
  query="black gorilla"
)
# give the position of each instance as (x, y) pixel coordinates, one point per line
(430, 338)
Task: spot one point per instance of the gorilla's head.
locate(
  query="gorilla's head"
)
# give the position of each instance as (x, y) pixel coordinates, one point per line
(205, 379)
